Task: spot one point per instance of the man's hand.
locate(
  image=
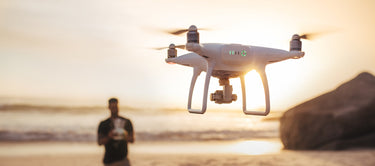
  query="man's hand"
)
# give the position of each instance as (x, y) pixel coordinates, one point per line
(110, 134)
(104, 139)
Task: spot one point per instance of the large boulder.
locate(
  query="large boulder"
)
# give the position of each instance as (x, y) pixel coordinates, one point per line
(341, 119)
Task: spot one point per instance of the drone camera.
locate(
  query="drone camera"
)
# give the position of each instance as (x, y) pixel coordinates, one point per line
(218, 97)
(223, 96)
(295, 43)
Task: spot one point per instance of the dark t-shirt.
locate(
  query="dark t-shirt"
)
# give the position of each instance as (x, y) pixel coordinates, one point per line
(115, 150)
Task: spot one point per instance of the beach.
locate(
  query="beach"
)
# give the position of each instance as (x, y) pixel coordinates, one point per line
(67, 136)
(175, 154)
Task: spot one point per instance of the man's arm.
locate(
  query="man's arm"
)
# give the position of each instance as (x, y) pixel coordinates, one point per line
(130, 137)
(130, 130)
(103, 138)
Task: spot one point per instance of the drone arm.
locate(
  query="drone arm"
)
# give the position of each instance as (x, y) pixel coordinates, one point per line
(206, 85)
(266, 95)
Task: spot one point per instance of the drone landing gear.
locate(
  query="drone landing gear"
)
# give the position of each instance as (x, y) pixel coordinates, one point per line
(266, 95)
(225, 95)
(196, 73)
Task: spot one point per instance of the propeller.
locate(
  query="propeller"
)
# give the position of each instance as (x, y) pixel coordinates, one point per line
(181, 31)
(177, 31)
(307, 36)
(310, 36)
(313, 35)
(170, 46)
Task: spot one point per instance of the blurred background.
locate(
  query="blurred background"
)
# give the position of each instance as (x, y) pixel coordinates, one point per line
(60, 61)
(82, 52)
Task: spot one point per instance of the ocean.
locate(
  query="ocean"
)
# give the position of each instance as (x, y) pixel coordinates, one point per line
(79, 124)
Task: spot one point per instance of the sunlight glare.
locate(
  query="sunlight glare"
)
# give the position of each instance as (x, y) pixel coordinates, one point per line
(255, 147)
(254, 90)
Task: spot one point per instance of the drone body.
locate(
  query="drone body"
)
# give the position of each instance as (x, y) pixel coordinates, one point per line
(225, 61)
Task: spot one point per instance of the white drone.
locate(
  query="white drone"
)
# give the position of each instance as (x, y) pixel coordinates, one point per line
(226, 61)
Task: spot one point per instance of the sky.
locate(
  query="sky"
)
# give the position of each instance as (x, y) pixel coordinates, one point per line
(81, 52)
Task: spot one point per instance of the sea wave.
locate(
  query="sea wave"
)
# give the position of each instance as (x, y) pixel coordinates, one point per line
(72, 136)
(20, 122)
(53, 108)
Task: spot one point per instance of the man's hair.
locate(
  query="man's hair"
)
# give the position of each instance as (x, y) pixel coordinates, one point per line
(112, 100)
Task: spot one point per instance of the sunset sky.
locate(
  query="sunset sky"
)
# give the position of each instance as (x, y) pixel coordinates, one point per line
(85, 51)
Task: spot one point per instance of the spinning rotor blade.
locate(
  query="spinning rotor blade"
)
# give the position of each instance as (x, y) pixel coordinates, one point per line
(177, 46)
(313, 35)
(309, 36)
(177, 32)
(160, 48)
(180, 46)
(181, 31)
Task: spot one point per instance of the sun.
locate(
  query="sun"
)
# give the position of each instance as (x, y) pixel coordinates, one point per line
(254, 91)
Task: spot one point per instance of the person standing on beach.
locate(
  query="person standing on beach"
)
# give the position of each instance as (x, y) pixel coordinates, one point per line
(115, 133)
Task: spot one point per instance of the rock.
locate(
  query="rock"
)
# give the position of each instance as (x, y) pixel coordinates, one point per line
(341, 119)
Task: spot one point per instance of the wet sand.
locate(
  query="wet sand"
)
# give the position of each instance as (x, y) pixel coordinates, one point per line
(82, 154)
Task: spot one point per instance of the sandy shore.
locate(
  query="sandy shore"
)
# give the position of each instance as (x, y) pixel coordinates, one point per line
(88, 154)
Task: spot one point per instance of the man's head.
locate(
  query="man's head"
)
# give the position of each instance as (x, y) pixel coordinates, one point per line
(113, 106)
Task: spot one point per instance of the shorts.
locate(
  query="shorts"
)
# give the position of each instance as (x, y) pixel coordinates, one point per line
(124, 162)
